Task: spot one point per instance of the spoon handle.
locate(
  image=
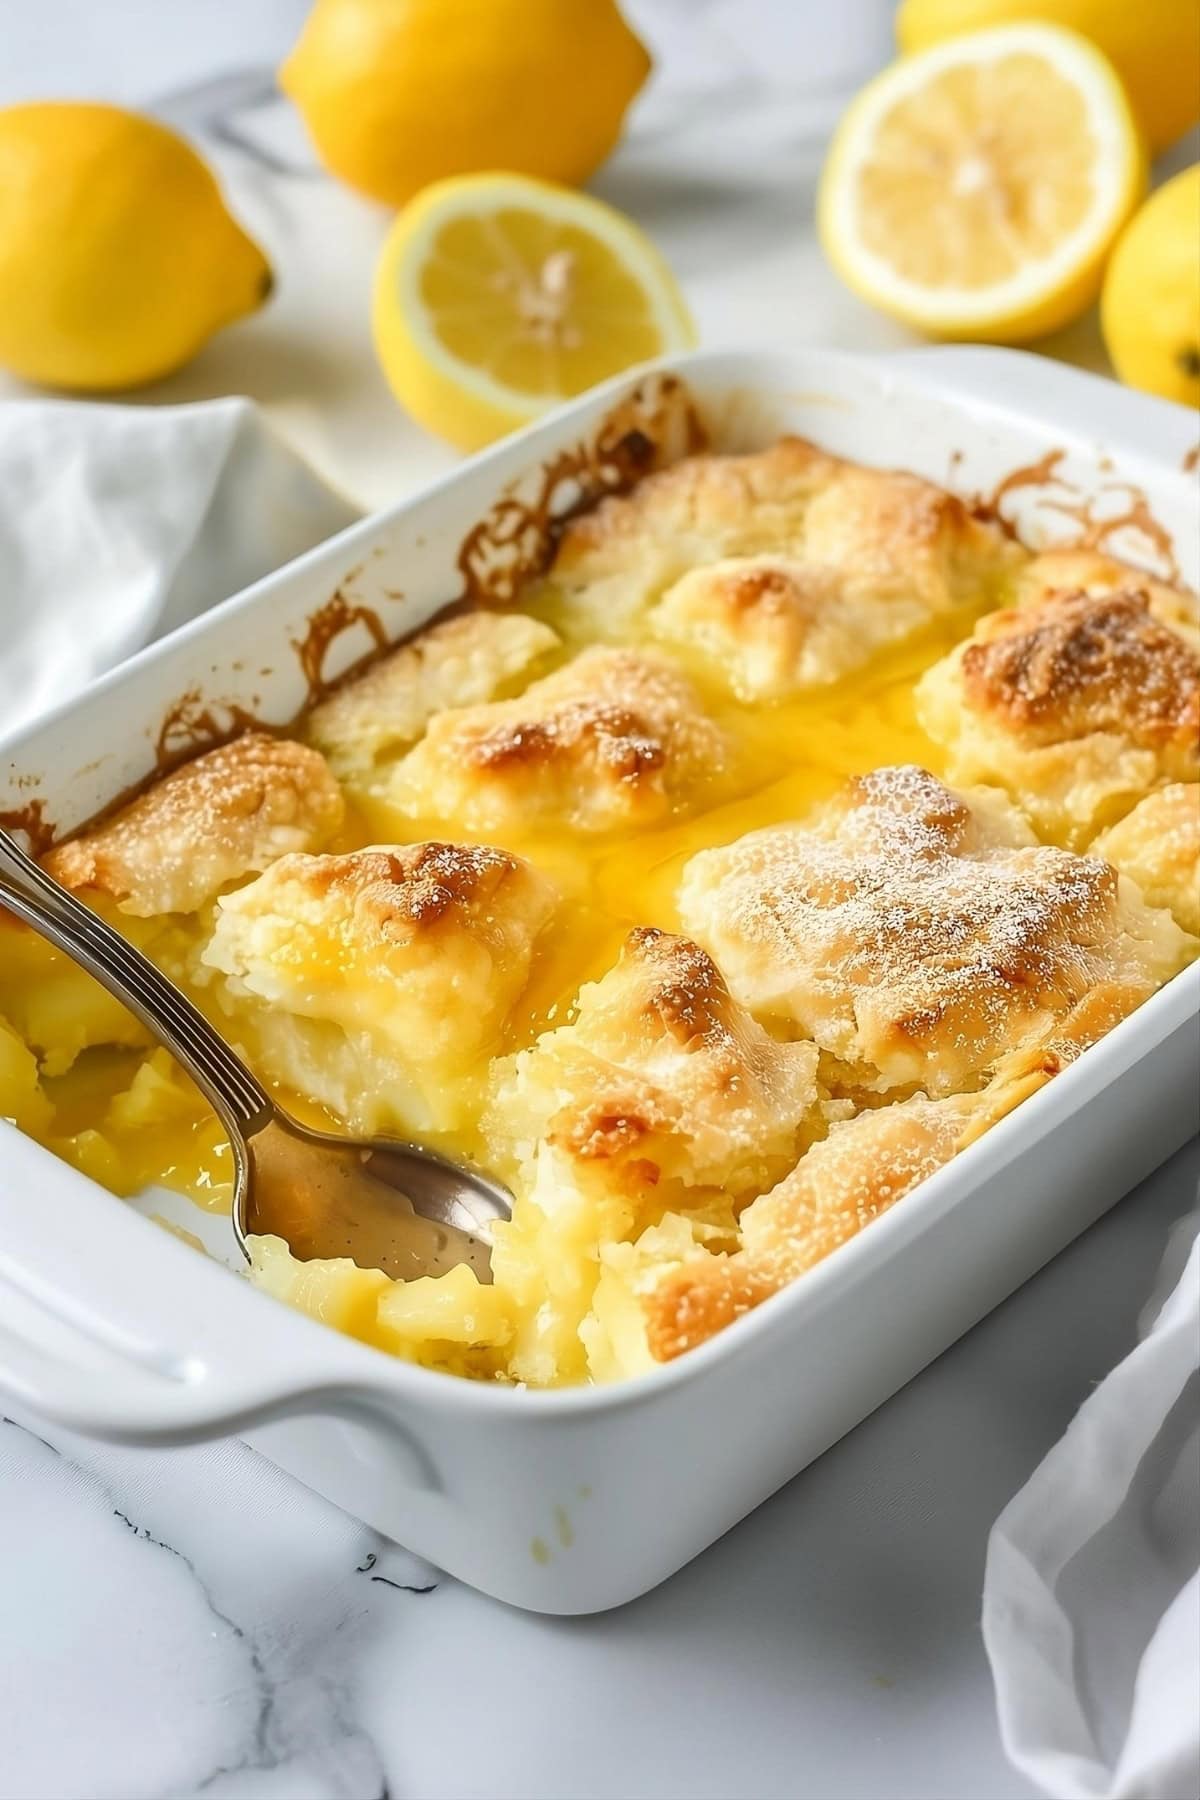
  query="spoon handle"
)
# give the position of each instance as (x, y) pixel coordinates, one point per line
(132, 978)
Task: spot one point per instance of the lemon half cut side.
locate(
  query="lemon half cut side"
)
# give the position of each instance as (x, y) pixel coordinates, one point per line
(498, 296)
(1154, 46)
(974, 189)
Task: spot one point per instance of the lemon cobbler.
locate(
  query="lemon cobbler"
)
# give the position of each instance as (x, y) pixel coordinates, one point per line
(791, 829)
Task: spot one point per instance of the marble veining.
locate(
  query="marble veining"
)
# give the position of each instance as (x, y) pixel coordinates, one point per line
(278, 1712)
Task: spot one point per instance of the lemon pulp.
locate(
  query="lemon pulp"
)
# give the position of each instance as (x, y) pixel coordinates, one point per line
(497, 295)
(1154, 46)
(541, 307)
(971, 212)
(975, 188)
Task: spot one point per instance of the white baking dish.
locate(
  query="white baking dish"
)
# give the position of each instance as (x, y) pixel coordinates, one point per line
(574, 1501)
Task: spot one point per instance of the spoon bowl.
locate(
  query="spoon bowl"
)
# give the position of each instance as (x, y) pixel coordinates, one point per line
(384, 1203)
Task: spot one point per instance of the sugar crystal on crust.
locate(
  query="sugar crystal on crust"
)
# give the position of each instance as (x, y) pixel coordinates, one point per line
(917, 934)
(614, 738)
(461, 661)
(225, 815)
(1078, 701)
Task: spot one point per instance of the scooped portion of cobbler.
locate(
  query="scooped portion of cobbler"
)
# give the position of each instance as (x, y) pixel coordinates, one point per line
(375, 982)
(661, 1092)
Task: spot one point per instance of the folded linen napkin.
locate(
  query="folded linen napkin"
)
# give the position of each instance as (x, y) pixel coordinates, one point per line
(1091, 1596)
(117, 523)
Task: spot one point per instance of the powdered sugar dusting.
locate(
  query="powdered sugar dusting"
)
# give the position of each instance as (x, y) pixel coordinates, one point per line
(913, 936)
(227, 814)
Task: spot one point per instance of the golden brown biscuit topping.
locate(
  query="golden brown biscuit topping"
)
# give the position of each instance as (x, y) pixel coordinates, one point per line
(459, 661)
(617, 740)
(726, 502)
(662, 1073)
(615, 737)
(1077, 664)
(1068, 571)
(858, 1172)
(398, 893)
(915, 934)
(784, 569)
(896, 535)
(1157, 845)
(227, 814)
(408, 957)
(688, 996)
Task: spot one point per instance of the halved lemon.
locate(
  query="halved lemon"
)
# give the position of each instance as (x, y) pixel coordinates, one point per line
(974, 189)
(497, 296)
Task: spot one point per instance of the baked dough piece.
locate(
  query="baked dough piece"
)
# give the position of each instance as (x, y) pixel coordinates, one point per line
(661, 1076)
(407, 960)
(859, 1171)
(617, 559)
(769, 627)
(667, 1293)
(375, 716)
(1078, 701)
(1092, 572)
(1158, 846)
(225, 815)
(893, 535)
(782, 570)
(613, 739)
(663, 1092)
(916, 934)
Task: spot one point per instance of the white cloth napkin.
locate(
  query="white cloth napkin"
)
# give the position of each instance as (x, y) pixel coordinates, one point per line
(117, 523)
(1091, 1597)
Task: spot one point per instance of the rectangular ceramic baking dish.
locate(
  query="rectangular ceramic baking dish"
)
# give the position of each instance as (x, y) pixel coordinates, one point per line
(574, 1501)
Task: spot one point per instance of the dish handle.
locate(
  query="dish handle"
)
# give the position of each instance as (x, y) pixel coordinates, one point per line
(112, 1327)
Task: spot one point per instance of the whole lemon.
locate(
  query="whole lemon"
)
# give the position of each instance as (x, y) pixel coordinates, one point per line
(399, 93)
(1150, 303)
(1154, 45)
(118, 259)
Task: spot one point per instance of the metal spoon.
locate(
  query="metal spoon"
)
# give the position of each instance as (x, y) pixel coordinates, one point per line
(387, 1204)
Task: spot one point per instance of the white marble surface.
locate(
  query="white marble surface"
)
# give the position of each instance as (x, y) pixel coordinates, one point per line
(172, 1624)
